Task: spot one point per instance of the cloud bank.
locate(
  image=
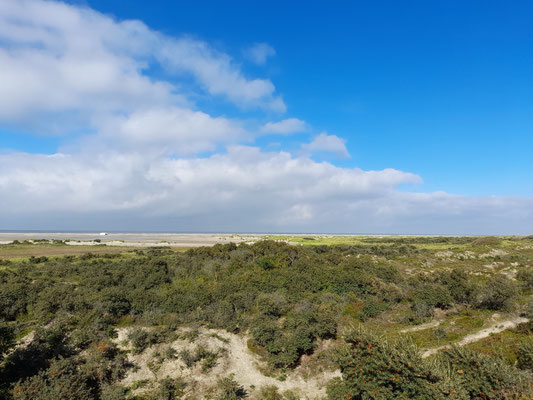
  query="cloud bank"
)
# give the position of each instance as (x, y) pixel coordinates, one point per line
(139, 154)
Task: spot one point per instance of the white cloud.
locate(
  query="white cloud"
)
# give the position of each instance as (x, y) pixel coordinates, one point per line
(245, 189)
(58, 58)
(272, 182)
(285, 127)
(171, 130)
(259, 52)
(325, 143)
(218, 73)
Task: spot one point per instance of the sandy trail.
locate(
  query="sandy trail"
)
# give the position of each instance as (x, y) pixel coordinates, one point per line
(497, 327)
(421, 327)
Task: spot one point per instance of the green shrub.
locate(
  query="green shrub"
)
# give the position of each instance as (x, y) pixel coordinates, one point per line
(272, 304)
(525, 355)
(265, 331)
(187, 357)
(459, 286)
(375, 368)
(498, 293)
(200, 353)
(371, 308)
(114, 392)
(372, 367)
(420, 312)
(269, 392)
(62, 380)
(229, 389)
(525, 276)
(433, 294)
(482, 376)
(7, 337)
(140, 339)
(486, 241)
(171, 389)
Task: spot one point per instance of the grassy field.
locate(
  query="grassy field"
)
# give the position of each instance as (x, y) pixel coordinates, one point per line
(22, 251)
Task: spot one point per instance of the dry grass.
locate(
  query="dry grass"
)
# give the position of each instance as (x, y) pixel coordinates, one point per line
(54, 250)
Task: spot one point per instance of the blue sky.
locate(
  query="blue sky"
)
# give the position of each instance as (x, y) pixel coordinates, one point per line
(443, 88)
(434, 97)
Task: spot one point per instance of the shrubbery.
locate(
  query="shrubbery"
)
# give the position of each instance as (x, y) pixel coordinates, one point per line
(498, 293)
(375, 368)
(286, 297)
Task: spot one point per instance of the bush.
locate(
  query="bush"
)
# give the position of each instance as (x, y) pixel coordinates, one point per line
(372, 308)
(458, 285)
(433, 294)
(272, 304)
(140, 339)
(201, 353)
(269, 392)
(62, 380)
(7, 337)
(525, 355)
(265, 331)
(372, 367)
(420, 311)
(171, 389)
(486, 241)
(229, 389)
(498, 293)
(525, 276)
(187, 357)
(482, 376)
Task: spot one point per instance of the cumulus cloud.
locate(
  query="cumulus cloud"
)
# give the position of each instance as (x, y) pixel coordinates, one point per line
(285, 127)
(244, 189)
(57, 57)
(324, 143)
(259, 52)
(271, 182)
(171, 131)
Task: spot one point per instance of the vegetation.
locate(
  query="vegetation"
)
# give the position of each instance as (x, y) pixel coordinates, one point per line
(287, 299)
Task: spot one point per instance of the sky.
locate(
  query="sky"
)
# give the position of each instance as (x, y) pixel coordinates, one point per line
(238, 116)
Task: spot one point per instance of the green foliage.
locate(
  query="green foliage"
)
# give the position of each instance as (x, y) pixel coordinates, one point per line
(141, 339)
(61, 381)
(498, 293)
(433, 294)
(375, 368)
(420, 311)
(286, 297)
(272, 304)
(190, 358)
(460, 287)
(525, 355)
(229, 389)
(371, 308)
(486, 241)
(7, 337)
(525, 276)
(171, 389)
(481, 376)
(271, 392)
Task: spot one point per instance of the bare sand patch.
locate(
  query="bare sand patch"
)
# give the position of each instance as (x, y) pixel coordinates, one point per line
(234, 359)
